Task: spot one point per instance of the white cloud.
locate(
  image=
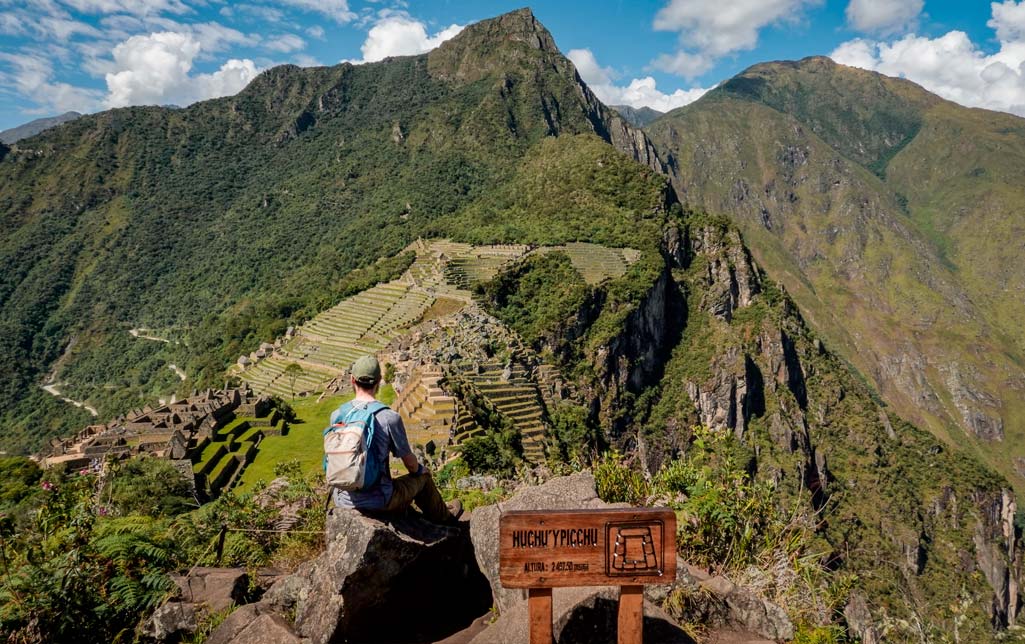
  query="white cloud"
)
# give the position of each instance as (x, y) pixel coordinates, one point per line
(856, 53)
(684, 64)
(338, 10)
(401, 35)
(285, 43)
(1008, 20)
(640, 92)
(32, 76)
(155, 70)
(952, 65)
(214, 37)
(316, 31)
(63, 28)
(11, 24)
(138, 7)
(710, 29)
(589, 69)
(254, 11)
(883, 16)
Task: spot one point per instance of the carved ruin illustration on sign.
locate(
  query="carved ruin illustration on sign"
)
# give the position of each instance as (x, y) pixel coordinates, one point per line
(631, 548)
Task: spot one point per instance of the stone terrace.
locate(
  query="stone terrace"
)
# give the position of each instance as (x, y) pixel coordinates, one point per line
(427, 410)
(514, 395)
(597, 263)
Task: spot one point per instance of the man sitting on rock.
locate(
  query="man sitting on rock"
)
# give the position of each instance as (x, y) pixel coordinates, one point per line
(388, 495)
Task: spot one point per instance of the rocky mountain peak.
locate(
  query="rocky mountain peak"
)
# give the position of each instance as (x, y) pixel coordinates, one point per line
(510, 40)
(519, 26)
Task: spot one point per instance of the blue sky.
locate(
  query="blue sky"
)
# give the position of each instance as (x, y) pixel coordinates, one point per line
(89, 55)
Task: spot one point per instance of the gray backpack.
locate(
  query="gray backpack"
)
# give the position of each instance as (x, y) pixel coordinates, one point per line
(348, 463)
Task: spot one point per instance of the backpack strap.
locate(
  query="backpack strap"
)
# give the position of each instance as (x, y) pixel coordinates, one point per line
(372, 409)
(338, 416)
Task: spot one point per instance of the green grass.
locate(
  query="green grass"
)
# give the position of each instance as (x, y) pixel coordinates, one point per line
(304, 442)
(210, 452)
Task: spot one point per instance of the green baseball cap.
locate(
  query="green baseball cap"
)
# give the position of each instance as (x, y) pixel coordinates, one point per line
(366, 370)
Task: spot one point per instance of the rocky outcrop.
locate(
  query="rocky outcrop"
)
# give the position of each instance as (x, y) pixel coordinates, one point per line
(254, 624)
(628, 139)
(979, 410)
(370, 568)
(570, 492)
(998, 556)
(171, 621)
(859, 620)
(214, 588)
(716, 601)
(721, 401)
(200, 593)
(731, 277)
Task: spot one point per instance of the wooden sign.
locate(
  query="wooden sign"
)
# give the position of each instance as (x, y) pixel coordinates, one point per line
(615, 547)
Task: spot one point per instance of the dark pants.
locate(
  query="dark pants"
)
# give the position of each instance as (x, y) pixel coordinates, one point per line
(419, 489)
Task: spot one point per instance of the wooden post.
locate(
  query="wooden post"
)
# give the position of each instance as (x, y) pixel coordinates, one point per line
(539, 606)
(631, 614)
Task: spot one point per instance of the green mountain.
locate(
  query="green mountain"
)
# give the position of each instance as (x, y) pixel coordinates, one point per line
(32, 128)
(145, 237)
(888, 214)
(637, 116)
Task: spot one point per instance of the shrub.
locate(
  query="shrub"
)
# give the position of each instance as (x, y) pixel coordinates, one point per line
(150, 486)
(617, 482)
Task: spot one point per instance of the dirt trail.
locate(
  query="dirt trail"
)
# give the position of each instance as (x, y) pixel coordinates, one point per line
(53, 391)
(142, 335)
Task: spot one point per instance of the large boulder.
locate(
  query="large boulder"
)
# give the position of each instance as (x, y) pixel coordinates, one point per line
(171, 621)
(254, 624)
(738, 607)
(563, 493)
(375, 569)
(200, 593)
(214, 588)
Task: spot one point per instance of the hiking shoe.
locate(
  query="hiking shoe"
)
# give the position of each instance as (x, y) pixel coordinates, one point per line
(455, 508)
